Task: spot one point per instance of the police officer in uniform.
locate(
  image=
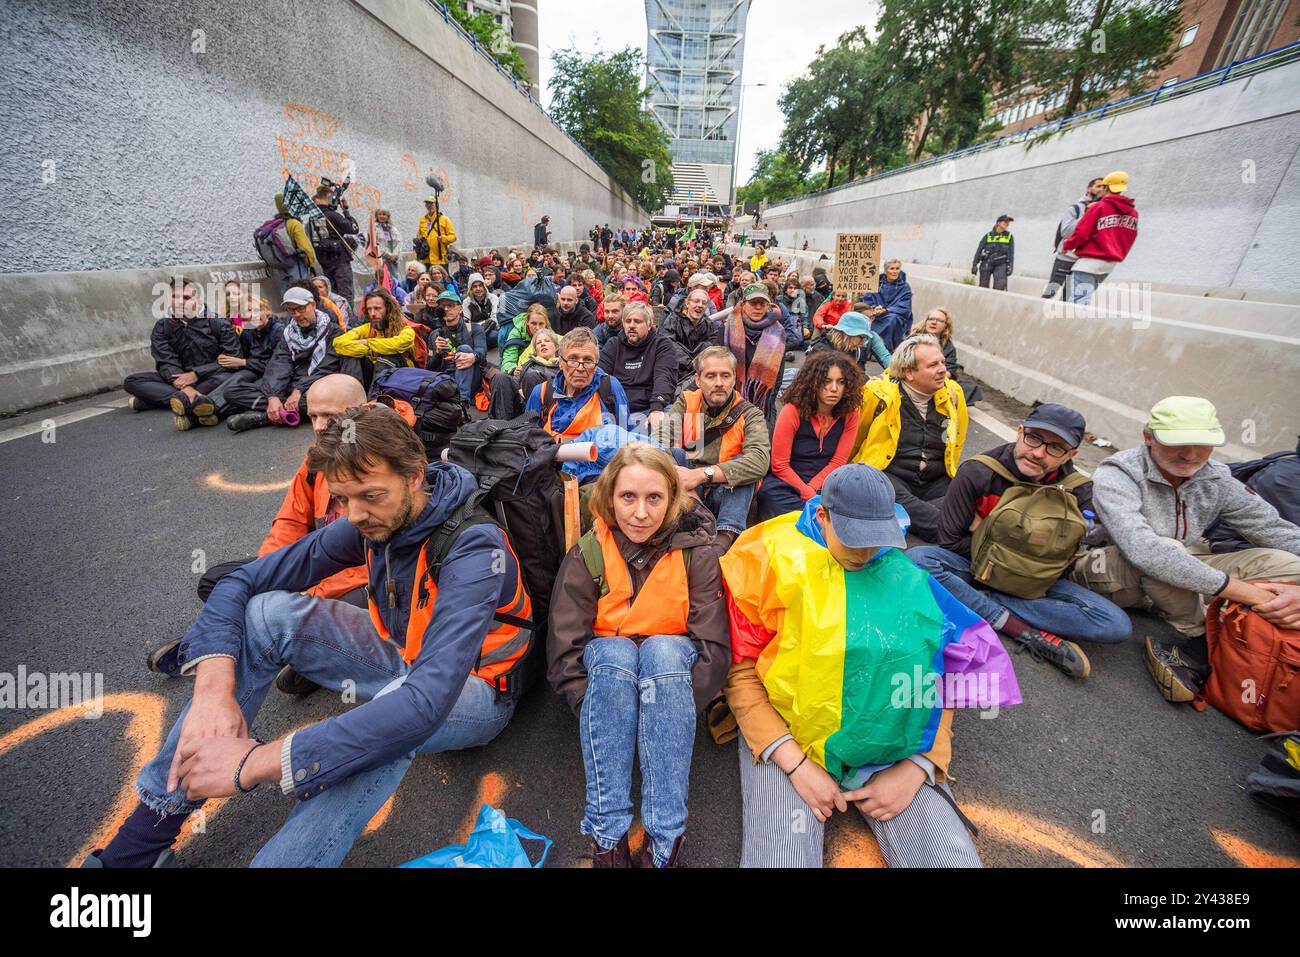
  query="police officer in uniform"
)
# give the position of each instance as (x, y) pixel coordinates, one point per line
(996, 254)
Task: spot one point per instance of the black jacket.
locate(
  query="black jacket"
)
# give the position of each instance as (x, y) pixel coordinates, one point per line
(689, 339)
(329, 247)
(259, 345)
(995, 248)
(647, 370)
(286, 373)
(193, 346)
(539, 234)
(976, 488)
(564, 323)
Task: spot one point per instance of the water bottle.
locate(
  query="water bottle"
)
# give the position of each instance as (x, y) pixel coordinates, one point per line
(1090, 517)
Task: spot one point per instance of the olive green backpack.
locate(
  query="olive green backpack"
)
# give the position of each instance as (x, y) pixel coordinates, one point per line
(1027, 542)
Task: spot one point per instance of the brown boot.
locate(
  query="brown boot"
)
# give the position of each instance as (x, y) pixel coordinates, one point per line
(617, 856)
(648, 854)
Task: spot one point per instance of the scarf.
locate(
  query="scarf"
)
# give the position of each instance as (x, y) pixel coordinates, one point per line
(315, 341)
(757, 378)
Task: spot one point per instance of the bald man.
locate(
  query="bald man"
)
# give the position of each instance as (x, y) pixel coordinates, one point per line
(307, 506)
(569, 313)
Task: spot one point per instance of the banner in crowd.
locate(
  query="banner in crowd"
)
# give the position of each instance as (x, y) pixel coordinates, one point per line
(857, 263)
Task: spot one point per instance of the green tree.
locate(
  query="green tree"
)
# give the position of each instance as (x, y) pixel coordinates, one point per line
(491, 37)
(598, 100)
(1100, 50)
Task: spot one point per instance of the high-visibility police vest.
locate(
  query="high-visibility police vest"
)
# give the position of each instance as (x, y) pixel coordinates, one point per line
(733, 439)
(502, 648)
(660, 607)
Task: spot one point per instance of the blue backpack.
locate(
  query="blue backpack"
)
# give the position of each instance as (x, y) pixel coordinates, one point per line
(433, 397)
(1276, 479)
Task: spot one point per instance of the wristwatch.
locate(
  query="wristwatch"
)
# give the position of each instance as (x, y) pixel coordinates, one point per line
(709, 472)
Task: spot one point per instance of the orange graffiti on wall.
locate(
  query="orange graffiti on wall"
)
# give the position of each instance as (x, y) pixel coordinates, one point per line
(306, 154)
(529, 200)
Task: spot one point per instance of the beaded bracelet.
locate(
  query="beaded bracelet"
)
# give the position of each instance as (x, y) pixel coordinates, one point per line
(239, 787)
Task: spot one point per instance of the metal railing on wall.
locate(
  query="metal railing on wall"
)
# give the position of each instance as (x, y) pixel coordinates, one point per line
(1236, 70)
(521, 89)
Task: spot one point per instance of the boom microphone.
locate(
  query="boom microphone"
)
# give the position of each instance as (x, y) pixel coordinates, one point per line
(436, 182)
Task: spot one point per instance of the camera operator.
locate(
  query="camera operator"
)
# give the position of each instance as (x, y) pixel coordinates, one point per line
(335, 236)
(434, 234)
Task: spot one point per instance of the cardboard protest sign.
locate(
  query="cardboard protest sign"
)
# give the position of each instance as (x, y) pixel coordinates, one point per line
(857, 263)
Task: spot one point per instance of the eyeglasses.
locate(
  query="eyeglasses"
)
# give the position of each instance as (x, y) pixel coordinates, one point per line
(581, 363)
(1036, 441)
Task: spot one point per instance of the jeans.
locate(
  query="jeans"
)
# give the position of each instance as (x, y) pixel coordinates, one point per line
(639, 700)
(329, 642)
(1083, 285)
(729, 504)
(468, 378)
(1067, 610)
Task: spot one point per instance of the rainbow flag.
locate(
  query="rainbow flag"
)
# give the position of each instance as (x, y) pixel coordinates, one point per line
(861, 665)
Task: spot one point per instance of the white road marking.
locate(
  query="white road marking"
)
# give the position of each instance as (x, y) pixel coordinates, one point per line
(67, 418)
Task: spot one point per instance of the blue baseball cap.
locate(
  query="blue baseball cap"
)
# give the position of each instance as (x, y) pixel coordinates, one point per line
(1060, 420)
(860, 501)
(853, 324)
(448, 295)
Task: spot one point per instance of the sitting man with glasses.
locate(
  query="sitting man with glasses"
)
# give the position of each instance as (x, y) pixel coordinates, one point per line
(581, 396)
(1035, 562)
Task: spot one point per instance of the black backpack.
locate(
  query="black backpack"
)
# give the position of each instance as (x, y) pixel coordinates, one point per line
(521, 489)
(1276, 479)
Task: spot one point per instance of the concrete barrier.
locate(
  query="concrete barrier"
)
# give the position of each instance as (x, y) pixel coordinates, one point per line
(1214, 174)
(1114, 367)
(70, 334)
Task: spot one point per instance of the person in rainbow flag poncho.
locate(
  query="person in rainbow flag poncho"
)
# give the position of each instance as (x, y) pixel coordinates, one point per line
(847, 663)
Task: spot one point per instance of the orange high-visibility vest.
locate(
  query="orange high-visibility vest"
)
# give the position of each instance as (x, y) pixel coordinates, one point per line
(502, 648)
(589, 416)
(660, 607)
(733, 440)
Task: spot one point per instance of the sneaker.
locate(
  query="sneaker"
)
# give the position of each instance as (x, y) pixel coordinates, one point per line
(165, 659)
(1179, 682)
(1044, 646)
(244, 421)
(134, 404)
(292, 683)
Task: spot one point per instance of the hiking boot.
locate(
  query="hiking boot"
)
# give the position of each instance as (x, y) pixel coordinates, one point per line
(165, 659)
(1179, 681)
(648, 854)
(292, 683)
(617, 856)
(182, 421)
(1044, 646)
(247, 420)
(205, 410)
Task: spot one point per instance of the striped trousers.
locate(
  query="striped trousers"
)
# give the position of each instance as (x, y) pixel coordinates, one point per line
(779, 829)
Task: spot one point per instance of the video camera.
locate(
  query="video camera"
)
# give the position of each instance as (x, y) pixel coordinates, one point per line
(338, 189)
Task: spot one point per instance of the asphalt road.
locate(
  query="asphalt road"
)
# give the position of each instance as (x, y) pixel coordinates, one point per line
(103, 519)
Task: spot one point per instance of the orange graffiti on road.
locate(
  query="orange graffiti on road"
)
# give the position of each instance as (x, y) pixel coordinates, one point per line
(143, 731)
(1247, 854)
(215, 481)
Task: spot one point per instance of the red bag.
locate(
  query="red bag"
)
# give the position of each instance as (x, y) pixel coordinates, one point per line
(1255, 677)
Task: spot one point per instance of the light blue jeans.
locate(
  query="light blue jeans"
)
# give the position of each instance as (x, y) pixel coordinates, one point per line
(728, 504)
(329, 642)
(1083, 285)
(1067, 610)
(639, 701)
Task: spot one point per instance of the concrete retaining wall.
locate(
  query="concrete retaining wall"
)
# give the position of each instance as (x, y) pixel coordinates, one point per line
(1215, 176)
(141, 139)
(1113, 367)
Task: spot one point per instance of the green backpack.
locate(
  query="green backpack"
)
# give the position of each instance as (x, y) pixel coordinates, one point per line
(594, 559)
(1027, 542)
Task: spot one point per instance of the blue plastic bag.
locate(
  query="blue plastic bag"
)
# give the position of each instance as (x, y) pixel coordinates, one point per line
(496, 841)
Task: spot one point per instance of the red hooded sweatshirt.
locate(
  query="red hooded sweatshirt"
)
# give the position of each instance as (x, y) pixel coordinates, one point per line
(1107, 230)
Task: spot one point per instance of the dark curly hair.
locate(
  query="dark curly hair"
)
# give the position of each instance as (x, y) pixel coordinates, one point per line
(807, 385)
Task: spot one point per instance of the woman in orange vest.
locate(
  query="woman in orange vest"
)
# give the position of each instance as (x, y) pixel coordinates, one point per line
(638, 645)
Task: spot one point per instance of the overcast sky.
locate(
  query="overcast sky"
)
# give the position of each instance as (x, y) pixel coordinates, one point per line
(781, 37)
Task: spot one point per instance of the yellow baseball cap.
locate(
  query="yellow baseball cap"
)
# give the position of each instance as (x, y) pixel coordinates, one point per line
(1185, 420)
(1117, 181)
